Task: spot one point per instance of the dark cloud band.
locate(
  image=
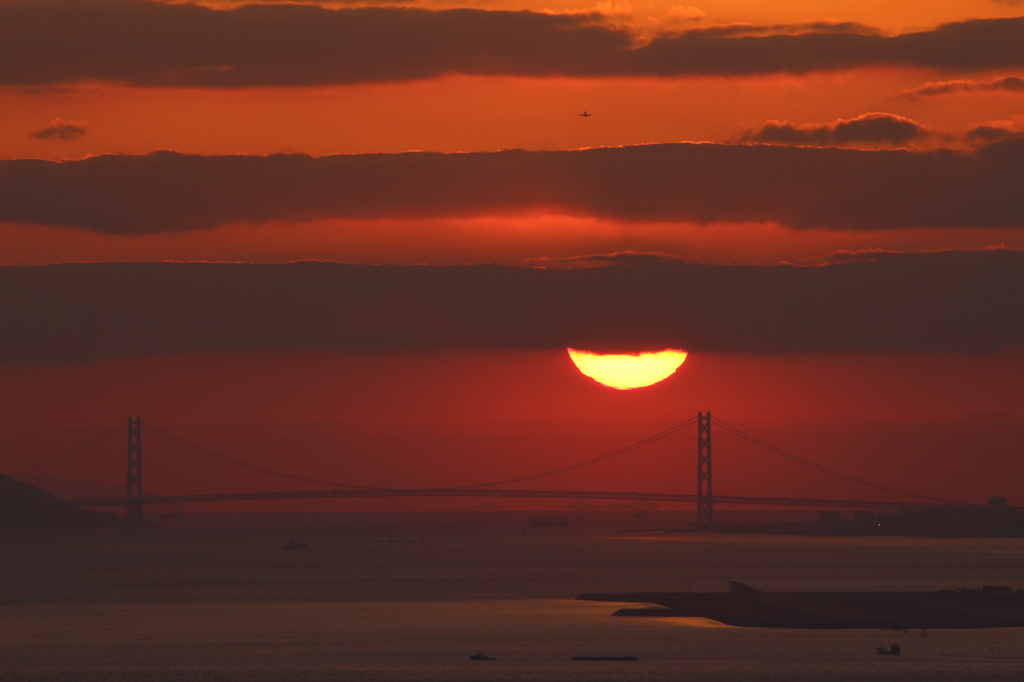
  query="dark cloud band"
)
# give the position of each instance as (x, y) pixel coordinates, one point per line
(157, 44)
(798, 187)
(957, 301)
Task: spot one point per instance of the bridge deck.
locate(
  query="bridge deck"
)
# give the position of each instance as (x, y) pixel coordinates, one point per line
(549, 494)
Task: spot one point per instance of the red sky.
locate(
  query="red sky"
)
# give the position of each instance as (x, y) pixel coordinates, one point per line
(838, 131)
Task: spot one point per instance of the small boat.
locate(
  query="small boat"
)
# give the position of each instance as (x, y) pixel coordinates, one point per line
(604, 658)
(295, 545)
(481, 656)
(894, 650)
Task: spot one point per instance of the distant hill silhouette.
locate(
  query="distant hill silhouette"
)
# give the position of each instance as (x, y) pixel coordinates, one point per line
(25, 506)
(73, 488)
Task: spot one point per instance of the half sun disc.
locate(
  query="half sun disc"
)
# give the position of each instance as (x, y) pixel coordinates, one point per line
(627, 371)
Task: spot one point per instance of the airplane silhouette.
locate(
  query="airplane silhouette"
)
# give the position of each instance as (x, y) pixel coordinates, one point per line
(584, 114)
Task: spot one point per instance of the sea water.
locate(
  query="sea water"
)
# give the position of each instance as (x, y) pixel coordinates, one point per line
(413, 602)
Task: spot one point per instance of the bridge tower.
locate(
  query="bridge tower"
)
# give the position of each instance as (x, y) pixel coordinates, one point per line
(133, 499)
(705, 494)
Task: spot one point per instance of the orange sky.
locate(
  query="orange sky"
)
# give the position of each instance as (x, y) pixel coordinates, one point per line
(455, 113)
(489, 94)
(462, 417)
(467, 113)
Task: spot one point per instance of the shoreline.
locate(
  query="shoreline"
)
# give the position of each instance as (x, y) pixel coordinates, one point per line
(989, 607)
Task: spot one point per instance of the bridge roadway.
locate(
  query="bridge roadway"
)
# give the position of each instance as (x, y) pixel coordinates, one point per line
(470, 492)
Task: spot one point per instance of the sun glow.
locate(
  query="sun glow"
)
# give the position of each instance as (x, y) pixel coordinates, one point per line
(627, 371)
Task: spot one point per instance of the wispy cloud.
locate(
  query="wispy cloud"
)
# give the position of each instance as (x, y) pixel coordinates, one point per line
(1011, 84)
(872, 128)
(600, 260)
(59, 129)
(991, 131)
(643, 23)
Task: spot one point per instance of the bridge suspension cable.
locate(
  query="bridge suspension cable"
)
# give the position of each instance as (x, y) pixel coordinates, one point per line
(621, 451)
(255, 467)
(819, 467)
(74, 451)
(225, 458)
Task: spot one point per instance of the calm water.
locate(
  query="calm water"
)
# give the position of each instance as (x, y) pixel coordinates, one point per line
(225, 603)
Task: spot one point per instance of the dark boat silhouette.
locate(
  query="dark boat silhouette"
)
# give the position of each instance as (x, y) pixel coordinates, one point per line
(295, 545)
(894, 650)
(480, 656)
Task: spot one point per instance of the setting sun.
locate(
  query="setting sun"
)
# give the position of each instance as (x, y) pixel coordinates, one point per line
(627, 371)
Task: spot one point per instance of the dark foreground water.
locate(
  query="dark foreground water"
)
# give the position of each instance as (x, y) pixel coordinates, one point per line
(225, 603)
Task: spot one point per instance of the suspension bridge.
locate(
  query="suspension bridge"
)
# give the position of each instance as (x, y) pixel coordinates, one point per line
(682, 464)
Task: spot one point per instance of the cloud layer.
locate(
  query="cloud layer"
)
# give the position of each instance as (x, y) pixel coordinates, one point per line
(798, 187)
(953, 301)
(873, 128)
(150, 44)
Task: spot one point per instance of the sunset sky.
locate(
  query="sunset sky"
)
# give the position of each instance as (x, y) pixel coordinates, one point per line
(380, 225)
